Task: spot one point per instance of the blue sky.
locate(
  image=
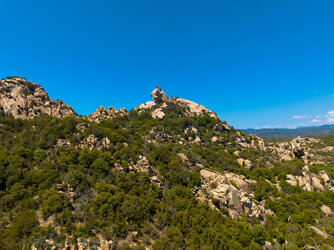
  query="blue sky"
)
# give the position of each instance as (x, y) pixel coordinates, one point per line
(256, 63)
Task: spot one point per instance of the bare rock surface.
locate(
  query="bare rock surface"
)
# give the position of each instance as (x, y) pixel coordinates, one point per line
(309, 181)
(326, 210)
(247, 164)
(92, 143)
(26, 100)
(102, 114)
(160, 97)
(232, 192)
(319, 232)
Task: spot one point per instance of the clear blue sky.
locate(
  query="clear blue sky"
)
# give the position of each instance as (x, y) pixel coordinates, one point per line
(256, 63)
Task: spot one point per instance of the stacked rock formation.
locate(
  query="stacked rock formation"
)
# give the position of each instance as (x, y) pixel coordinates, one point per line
(26, 100)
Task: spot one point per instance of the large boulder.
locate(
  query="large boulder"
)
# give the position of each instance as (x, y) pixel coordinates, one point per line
(326, 210)
(159, 95)
(247, 164)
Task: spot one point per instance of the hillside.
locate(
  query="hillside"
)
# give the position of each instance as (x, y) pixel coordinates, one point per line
(292, 133)
(165, 175)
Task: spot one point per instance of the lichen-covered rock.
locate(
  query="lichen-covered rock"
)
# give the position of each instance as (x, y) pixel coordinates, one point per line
(26, 100)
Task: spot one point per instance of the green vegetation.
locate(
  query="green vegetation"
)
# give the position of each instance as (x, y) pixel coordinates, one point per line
(292, 133)
(86, 192)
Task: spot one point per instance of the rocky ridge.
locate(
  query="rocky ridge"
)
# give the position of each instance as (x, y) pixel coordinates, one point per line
(26, 100)
(102, 114)
(160, 101)
(230, 193)
(309, 181)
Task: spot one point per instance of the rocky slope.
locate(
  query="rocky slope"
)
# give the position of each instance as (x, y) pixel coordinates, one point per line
(165, 175)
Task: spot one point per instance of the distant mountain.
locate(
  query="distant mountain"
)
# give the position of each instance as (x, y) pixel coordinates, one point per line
(292, 133)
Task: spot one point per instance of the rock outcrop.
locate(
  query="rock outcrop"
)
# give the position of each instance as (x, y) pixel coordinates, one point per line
(309, 181)
(296, 148)
(194, 109)
(102, 114)
(247, 164)
(232, 191)
(92, 143)
(159, 97)
(26, 100)
(319, 232)
(326, 210)
(143, 165)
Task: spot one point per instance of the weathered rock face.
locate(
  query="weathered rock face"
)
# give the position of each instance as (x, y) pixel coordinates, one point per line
(220, 128)
(158, 95)
(247, 164)
(309, 181)
(319, 232)
(232, 192)
(26, 100)
(296, 148)
(156, 135)
(102, 114)
(326, 210)
(192, 108)
(63, 143)
(195, 109)
(143, 165)
(158, 113)
(92, 143)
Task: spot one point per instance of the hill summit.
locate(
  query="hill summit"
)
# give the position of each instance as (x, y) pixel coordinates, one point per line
(168, 174)
(26, 100)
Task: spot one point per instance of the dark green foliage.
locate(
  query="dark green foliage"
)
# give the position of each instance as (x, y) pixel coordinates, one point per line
(83, 191)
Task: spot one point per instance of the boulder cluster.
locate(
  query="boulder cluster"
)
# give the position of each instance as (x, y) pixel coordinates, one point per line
(160, 101)
(102, 114)
(26, 100)
(309, 181)
(93, 143)
(232, 192)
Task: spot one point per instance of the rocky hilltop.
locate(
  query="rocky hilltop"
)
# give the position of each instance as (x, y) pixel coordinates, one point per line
(168, 174)
(159, 105)
(25, 100)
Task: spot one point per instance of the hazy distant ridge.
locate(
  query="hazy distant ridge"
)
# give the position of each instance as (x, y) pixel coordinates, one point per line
(291, 133)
